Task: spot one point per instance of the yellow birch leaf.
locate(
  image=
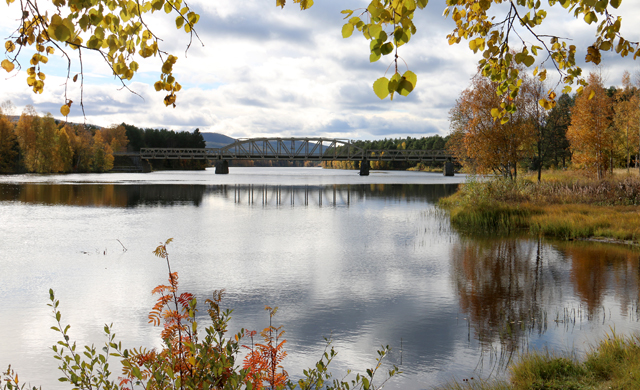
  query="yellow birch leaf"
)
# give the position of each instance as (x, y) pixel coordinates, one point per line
(7, 65)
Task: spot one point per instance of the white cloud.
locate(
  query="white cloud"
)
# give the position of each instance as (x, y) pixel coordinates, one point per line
(282, 72)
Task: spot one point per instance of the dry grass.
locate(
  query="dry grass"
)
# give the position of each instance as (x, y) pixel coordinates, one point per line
(612, 364)
(565, 205)
(571, 221)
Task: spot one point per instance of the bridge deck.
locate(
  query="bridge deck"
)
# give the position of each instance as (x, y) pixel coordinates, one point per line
(291, 149)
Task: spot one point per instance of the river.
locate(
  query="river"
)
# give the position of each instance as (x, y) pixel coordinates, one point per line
(366, 261)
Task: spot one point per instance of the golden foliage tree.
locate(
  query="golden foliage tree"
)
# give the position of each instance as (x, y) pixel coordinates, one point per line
(590, 134)
(627, 117)
(82, 151)
(487, 144)
(116, 137)
(9, 148)
(46, 160)
(65, 152)
(102, 154)
(26, 131)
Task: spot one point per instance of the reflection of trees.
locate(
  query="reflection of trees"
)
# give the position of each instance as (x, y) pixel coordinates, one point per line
(102, 195)
(123, 195)
(500, 285)
(599, 268)
(505, 285)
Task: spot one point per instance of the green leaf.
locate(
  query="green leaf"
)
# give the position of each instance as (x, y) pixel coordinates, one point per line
(529, 60)
(375, 30)
(606, 45)
(347, 30)
(615, 3)
(94, 43)
(590, 17)
(407, 83)
(381, 87)
(386, 48)
(57, 29)
(347, 12)
(394, 82)
(375, 55)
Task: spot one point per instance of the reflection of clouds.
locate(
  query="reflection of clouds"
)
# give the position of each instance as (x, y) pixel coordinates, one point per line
(374, 273)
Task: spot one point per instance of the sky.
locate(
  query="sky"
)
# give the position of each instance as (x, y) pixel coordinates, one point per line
(263, 71)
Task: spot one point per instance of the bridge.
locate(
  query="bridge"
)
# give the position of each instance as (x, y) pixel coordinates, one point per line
(292, 149)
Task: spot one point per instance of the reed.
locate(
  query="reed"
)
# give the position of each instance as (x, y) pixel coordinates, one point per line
(614, 363)
(565, 205)
(570, 221)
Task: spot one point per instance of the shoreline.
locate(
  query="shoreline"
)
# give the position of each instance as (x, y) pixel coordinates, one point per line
(563, 206)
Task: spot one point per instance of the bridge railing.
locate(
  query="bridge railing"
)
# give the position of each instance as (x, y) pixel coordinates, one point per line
(408, 155)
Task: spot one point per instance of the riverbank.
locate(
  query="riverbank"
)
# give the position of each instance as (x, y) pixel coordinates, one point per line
(613, 364)
(565, 205)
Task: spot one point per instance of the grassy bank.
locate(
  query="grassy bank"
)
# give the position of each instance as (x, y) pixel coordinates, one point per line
(613, 364)
(565, 205)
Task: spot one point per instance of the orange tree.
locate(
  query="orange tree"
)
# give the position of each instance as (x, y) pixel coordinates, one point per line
(484, 143)
(592, 138)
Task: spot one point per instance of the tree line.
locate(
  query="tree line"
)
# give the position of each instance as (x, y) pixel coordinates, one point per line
(42, 144)
(163, 138)
(434, 142)
(595, 130)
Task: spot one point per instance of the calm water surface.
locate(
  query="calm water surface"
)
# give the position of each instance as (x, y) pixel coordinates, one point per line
(367, 261)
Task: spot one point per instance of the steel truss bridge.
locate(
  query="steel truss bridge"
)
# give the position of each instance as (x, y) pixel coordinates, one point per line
(292, 149)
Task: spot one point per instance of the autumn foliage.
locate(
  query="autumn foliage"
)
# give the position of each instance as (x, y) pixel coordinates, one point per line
(484, 142)
(40, 144)
(264, 360)
(592, 138)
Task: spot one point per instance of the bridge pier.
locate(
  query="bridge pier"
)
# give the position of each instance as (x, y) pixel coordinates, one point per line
(364, 167)
(447, 169)
(222, 167)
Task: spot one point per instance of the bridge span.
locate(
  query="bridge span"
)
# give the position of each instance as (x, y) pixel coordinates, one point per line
(292, 149)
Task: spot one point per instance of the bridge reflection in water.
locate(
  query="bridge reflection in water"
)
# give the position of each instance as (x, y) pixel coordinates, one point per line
(128, 195)
(337, 195)
(297, 195)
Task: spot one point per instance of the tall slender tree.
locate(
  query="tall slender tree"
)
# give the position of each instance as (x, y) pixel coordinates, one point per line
(65, 152)
(26, 132)
(47, 146)
(627, 117)
(558, 122)
(591, 135)
(9, 147)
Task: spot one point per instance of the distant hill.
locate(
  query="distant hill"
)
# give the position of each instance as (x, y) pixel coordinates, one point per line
(217, 140)
(16, 118)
